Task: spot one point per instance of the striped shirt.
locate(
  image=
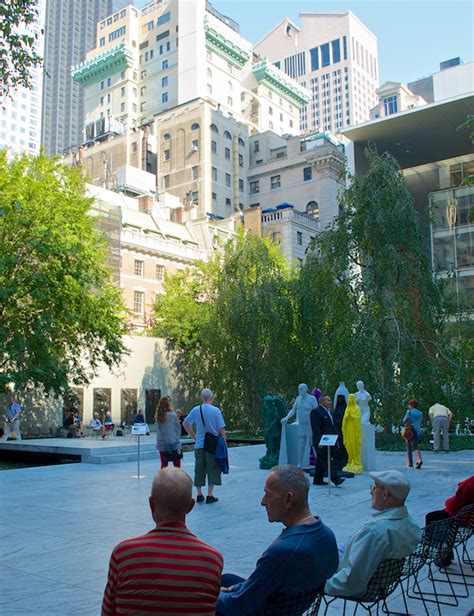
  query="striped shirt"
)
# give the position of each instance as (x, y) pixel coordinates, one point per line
(168, 571)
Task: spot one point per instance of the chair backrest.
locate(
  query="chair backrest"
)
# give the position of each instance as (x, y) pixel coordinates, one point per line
(439, 537)
(384, 581)
(281, 604)
(465, 519)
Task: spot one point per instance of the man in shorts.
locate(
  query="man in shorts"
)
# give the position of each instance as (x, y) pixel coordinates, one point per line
(204, 418)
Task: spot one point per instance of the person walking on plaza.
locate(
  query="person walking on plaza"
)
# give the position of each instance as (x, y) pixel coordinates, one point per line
(168, 571)
(204, 418)
(300, 559)
(13, 418)
(440, 417)
(414, 416)
(168, 432)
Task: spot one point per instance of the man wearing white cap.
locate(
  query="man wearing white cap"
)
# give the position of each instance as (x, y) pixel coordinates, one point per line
(390, 533)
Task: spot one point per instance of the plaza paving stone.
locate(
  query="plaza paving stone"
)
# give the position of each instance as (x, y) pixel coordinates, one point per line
(59, 523)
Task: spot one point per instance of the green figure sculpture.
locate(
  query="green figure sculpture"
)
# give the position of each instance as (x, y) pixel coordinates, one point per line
(274, 409)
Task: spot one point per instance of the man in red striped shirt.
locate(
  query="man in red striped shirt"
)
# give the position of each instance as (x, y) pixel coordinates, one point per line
(168, 571)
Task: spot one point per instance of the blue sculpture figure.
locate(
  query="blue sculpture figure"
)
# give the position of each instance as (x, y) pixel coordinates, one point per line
(274, 409)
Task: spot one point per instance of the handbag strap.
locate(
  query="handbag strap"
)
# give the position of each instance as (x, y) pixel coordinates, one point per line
(202, 417)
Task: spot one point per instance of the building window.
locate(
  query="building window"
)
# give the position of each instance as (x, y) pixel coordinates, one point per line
(228, 201)
(241, 186)
(241, 160)
(163, 19)
(166, 182)
(122, 91)
(160, 272)
(275, 181)
(270, 111)
(166, 154)
(227, 180)
(138, 302)
(276, 237)
(227, 135)
(344, 46)
(390, 104)
(314, 54)
(336, 51)
(166, 137)
(138, 267)
(227, 153)
(195, 196)
(195, 144)
(164, 82)
(195, 172)
(254, 187)
(122, 107)
(325, 61)
(230, 102)
(307, 174)
(164, 97)
(256, 146)
(214, 174)
(102, 41)
(164, 65)
(312, 209)
(299, 238)
(214, 147)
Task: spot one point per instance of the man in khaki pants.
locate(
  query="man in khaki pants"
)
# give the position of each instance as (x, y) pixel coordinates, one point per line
(440, 417)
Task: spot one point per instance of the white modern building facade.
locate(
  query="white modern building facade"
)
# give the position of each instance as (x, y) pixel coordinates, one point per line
(333, 55)
(20, 109)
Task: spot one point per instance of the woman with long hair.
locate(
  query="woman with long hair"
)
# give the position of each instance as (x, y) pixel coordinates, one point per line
(168, 431)
(413, 417)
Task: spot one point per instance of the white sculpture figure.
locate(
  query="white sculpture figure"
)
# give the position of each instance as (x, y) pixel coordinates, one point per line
(302, 407)
(363, 398)
(341, 391)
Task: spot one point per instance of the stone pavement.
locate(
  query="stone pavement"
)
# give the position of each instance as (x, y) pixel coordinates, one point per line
(59, 523)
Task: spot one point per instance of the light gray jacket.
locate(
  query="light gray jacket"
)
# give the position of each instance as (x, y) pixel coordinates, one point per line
(168, 433)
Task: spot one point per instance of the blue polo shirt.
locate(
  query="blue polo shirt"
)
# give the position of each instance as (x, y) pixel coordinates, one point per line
(301, 557)
(13, 409)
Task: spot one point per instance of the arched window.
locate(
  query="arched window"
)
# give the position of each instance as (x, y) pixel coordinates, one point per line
(241, 142)
(167, 137)
(312, 209)
(227, 135)
(209, 73)
(195, 126)
(214, 128)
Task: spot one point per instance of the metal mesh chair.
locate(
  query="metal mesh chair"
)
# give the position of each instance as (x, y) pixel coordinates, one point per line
(281, 604)
(437, 544)
(381, 585)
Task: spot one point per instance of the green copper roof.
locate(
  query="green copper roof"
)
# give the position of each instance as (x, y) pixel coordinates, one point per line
(219, 44)
(103, 65)
(265, 72)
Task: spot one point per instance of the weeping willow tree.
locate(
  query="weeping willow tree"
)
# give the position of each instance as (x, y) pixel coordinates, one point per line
(377, 309)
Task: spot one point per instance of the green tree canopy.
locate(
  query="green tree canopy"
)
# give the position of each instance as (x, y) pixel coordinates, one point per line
(18, 53)
(60, 314)
(229, 323)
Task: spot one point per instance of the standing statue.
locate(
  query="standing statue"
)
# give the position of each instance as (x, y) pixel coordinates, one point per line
(341, 391)
(363, 398)
(273, 410)
(352, 432)
(340, 453)
(302, 407)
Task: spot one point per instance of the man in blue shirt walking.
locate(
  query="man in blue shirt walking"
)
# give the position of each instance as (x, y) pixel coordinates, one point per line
(301, 558)
(13, 419)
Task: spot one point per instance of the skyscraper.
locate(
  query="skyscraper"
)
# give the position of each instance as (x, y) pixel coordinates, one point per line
(70, 31)
(334, 56)
(20, 110)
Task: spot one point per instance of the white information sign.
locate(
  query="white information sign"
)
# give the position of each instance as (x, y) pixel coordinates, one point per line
(141, 429)
(328, 439)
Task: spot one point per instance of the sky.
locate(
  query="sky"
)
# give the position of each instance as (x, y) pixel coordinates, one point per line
(414, 36)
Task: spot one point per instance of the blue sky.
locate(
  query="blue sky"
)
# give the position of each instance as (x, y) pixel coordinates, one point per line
(413, 36)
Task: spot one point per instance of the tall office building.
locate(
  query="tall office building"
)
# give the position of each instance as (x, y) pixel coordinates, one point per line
(334, 56)
(70, 32)
(20, 110)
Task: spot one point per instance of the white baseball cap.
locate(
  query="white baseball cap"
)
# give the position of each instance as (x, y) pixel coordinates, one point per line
(394, 481)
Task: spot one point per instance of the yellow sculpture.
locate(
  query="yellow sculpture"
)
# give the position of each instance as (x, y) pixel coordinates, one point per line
(352, 434)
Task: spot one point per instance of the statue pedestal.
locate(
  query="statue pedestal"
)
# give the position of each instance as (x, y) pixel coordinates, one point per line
(289, 444)
(367, 454)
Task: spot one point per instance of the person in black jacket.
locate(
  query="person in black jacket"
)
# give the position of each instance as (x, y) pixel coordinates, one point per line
(322, 422)
(340, 455)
